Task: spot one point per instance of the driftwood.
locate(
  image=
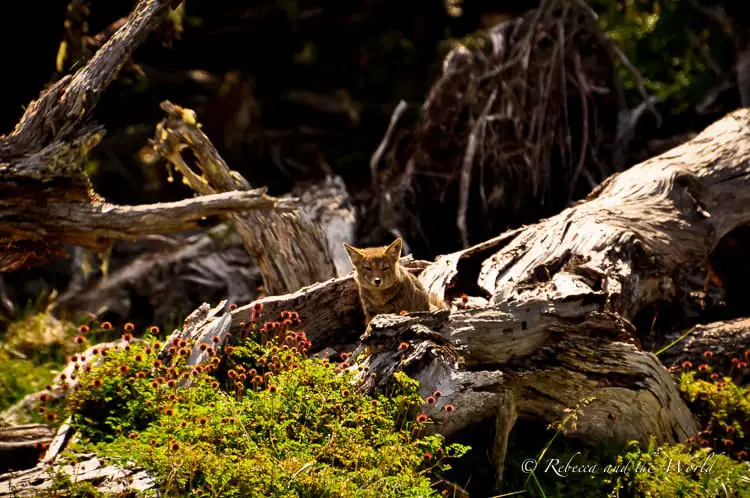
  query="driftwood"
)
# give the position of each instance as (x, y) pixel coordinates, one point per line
(290, 249)
(46, 199)
(563, 295)
(171, 274)
(175, 274)
(105, 478)
(327, 205)
(725, 340)
(549, 316)
(20, 445)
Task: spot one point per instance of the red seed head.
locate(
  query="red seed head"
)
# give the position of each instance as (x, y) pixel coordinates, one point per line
(422, 417)
(127, 337)
(449, 408)
(129, 327)
(403, 346)
(106, 325)
(84, 329)
(707, 354)
(430, 400)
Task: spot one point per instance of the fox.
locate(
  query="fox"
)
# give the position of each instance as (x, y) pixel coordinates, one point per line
(385, 286)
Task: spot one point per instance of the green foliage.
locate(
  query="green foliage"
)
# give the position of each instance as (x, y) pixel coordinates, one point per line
(712, 465)
(673, 46)
(21, 377)
(679, 471)
(32, 348)
(724, 410)
(261, 419)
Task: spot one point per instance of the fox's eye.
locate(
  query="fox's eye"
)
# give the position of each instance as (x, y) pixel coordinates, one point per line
(386, 268)
(368, 268)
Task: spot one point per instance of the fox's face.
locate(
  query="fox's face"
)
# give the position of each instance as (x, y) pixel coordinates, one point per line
(377, 267)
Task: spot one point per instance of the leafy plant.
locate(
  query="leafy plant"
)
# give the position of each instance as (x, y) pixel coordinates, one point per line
(260, 419)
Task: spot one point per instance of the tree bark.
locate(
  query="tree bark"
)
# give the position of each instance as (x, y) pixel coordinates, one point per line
(543, 316)
(291, 250)
(46, 199)
(725, 340)
(20, 445)
(109, 479)
(562, 296)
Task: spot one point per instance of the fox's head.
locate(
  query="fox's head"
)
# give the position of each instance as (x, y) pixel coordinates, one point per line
(377, 267)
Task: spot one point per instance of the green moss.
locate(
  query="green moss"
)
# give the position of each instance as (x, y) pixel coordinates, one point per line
(32, 349)
(21, 377)
(262, 420)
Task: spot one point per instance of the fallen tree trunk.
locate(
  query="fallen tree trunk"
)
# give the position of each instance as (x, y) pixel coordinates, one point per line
(20, 445)
(563, 295)
(46, 198)
(724, 341)
(557, 330)
(105, 478)
(291, 250)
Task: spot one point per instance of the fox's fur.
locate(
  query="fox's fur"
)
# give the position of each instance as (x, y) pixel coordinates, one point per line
(386, 287)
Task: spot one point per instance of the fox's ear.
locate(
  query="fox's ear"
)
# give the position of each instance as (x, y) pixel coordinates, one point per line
(355, 256)
(393, 251)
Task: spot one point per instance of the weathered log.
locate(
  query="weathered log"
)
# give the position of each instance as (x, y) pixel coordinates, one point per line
(166, 276)
(21, 445)
(105, 478)
(563, 295)
(46, 199)
(43, 158)
(725, 340)
(558, 327)
(290, 249)
(327, 205)
(564, 292)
